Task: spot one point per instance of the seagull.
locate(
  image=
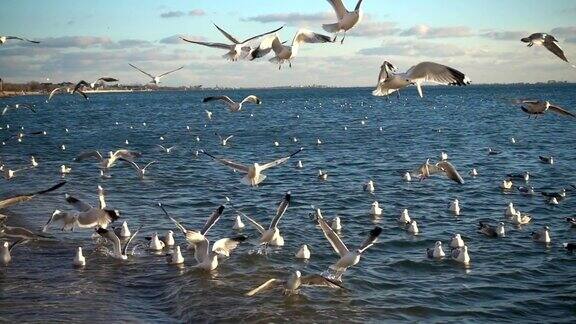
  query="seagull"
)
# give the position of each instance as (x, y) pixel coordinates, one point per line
(6, 249)
(493, 152)
(4, 39)
(272, 236)
(285, 53)
(166, 150)
(404, 217)
(457, 241)
(140, 171)
(80, 85)
(546, 159)
(253, 172)
(238, 223)
(389, 81)
(445, 167)
(322, 175)
(375, 209)
(175, 257)
(510, 210)
(155, 243)
(14, 200)
(412, 227)
(237, 49)
(56, 90)
(346, 19)
(79, 259)
(208, 259)
(19, 232)
(33, 161)
(455, 207)
(294, 283)
(196, 237)
(303, 252)
(548, 41)
(224, 140)
(123, 231)
(542, 236)
(156, 79)
(407, 177)
(570, 247)
(208, 115)
(68, 220)
(119, 252)
(110, 161)
(90, 217)
(369, 186)
(521, 219)
(437, 252)
(524, 176)
(506, 184)
(474, 172)
(492, 231)
(10, 174)
(17, 107)
(348, 257)
(461, 255)
(232, 105)
(538, 107)
(336, 224)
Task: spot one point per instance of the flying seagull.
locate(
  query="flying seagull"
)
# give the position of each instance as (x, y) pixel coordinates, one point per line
(232, 105)
(294, 282)
(537, 107)
(346, 19)
(119, 251)
(237, 49)
(427, 169)
(224, 140)
(16, 107)
(110, 161)
(91, 217)
(548, 41)
(195, 237)
(4, 39)
(56, 90)
(11, 201)
(253, 172)
(285, 53)
(80, 85)
(208, 258)
(389, 81)
(155, 79)
(140, 171)
(348, 257)
(272, 235)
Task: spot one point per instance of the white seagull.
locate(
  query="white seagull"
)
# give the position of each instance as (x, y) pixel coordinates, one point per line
(253, 172)
(208, 258)
(548, 41)
(195, 237)
(234, 106)
(4, 39)
(294, 282)
(155, 79)
(346, 19)
(389, 81)
(5, 251)
(110, 161)
(285, 53)
(119, 251)
(237, 49)
(537, 107)
(140, 171)
(224, 140)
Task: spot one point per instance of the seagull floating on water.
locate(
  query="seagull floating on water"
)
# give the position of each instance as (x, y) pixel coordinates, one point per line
(294, 283)
(457, 241)
(437, 252)
(79, 259)
(303, 252)
(6, 250)
(542, 236)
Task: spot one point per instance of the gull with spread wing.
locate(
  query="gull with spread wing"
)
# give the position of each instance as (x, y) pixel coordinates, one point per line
(346, 19)
(119, 252)
(57, 90)
(17, 107)
(548, 41)
(195, 237)
(208, 258)
(155, 79)
(107, 163)
(253, 172)
(140, 171)
(14, 200)
(390, 82)
(232, 105)
(427, 169)
(4, 39)
(294, 282)
(537, 107)
(237, 49)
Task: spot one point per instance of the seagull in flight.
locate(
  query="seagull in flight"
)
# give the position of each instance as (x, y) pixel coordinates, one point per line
(140, 171)
(427, 169)
(195, 237)
(57, 90)
(348, 257)
(389, 81)
(346, 19)
(253, 172)
(272, 236)
(294, 282)
(285, 53)
(16, 107)
(166, 150)
(237, 49)
(232, 105)
(4, 39)
(537, 107)
(119, 251)
(82, 84)
(155, 79)
(208, 258)
(548, 41)
(110, 161)
(224, 140)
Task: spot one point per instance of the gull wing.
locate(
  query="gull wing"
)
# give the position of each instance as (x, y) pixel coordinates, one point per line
(166, 73)
(137, 68)
(554, 48)
(127, 154)
(231, 164)
(223, 98)
(270, 284)
(212, 220)
(125, 249)
(149, 164)
(226, 245)
(269, 43)
(279, 161)
(306, 36)
(132, 163)
(101, 197)
(252, 99)
(202, 250)
(112, 237)
(259, 227)
(339, 8)
(282, 207)
(177, 223)
(264, 34)
(11, 201)
(332, 237)
(23, 39)
(450, 171)
(11, 247)
(215, 45)
(427, 169)
(370, 239)
(437, 73)
(318, 280)
(561, 111)
(78, 204)
(107, 79)
(230, 37)
(52, 93)
(80, 85)
(87, 155)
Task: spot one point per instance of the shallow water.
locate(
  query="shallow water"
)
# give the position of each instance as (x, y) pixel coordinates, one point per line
(509, 279)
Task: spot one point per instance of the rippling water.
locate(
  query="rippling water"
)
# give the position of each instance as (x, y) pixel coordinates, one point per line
(510, 279)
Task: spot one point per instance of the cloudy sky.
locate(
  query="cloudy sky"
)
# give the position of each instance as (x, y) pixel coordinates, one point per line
(88, 39)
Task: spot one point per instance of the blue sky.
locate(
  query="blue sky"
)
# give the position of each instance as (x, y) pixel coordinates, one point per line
(87, 39)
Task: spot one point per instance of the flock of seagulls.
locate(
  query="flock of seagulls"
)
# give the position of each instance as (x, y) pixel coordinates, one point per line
(99, 217)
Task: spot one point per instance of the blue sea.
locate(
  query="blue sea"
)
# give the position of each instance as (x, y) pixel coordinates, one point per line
(511, 279)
